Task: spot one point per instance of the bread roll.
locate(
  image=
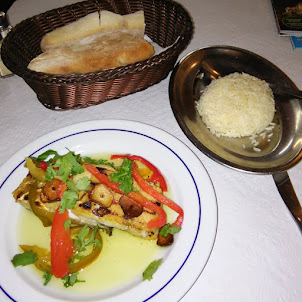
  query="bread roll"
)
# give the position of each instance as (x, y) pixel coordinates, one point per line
(93, 53)
(93, 23)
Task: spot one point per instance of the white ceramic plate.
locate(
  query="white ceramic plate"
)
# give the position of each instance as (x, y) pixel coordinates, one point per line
(190, 185)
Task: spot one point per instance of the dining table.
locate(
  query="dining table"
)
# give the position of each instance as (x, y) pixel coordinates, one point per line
(257, 251)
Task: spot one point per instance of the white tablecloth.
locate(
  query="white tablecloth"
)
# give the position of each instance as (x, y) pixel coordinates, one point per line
(257, 255)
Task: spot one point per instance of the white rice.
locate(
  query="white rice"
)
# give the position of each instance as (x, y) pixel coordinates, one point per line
(237, 105)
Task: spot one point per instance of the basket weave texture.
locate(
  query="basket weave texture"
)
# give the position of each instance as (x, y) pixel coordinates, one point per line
(167, 23)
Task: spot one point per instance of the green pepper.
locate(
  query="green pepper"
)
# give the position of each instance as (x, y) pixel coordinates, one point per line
(43, 262)
(37, 173)
(44, 215)
(44, 258)
(88, 259)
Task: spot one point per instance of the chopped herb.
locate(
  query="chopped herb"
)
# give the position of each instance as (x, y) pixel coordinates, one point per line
(123, 176)
(81, 242)
(71, 280)
(151, 269)
(46, 154)
(25, 258)
(94, 240)
(167, 229)
(67, 164)
(67, 224)
(83, 184)
(71, 185)
(47, 277)
(50, 173)
(97, 161)
(98, 243)
(68, 200)
(73, 160)
(65, 169)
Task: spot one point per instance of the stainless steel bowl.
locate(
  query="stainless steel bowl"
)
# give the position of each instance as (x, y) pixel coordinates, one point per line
(279, 152)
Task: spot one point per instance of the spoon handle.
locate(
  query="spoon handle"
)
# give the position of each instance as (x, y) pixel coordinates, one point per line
(289, 196)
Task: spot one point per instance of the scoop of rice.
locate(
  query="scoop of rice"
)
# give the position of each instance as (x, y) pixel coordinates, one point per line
(237, 105)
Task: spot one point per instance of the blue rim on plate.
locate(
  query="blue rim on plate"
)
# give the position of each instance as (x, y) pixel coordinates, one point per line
(148, 133)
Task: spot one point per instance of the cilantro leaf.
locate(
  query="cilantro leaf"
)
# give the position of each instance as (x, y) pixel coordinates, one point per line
(71, 280)
(67, 164)
(50, 173)
(92, 239)
(98, 243)
(81, 242)
(25, 258)
(83, 184)
(90, 160)
(46, 154)
(47, 277)
(151, 269)
(68, 201)
(67, 224)
(76, 167)
(71, 185)
(65, 169)
(167, 229)
(123, 176)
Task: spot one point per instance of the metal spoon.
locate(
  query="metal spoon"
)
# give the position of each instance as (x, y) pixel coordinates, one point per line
(289, 196)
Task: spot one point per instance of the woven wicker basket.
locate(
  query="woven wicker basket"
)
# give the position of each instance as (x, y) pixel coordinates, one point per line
(167, 23)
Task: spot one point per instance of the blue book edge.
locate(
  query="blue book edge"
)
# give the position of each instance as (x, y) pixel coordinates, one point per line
(296, 42)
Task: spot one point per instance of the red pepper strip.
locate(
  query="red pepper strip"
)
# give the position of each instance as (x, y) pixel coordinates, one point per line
(156, 222)
(104, 179)
(61, 245)
(161, 198)
(43, 165)
(156, 176)
(62, 187)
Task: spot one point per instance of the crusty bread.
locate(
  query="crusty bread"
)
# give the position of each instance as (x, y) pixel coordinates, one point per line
(93, 23)
(93, 53)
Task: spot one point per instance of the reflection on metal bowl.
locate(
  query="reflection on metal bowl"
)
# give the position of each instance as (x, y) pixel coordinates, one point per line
(278, 152)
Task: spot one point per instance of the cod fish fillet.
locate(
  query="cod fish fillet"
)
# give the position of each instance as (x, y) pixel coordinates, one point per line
(89, 211)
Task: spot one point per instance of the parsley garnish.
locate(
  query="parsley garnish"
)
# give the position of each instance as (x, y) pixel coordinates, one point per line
(71, 280)
(70, 197)
(63, 166)
(123, 176)
(46, 154)
(151, 269)
(67, 164)
(67, 224)
(50, 173)
(92, 161)
(81, 242)
(167, 229)
(68, 201)
(47, 277)
(25, 258)
(83, 184)
(76, 166)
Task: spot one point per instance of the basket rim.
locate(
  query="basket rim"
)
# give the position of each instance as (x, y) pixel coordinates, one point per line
(104, 75)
